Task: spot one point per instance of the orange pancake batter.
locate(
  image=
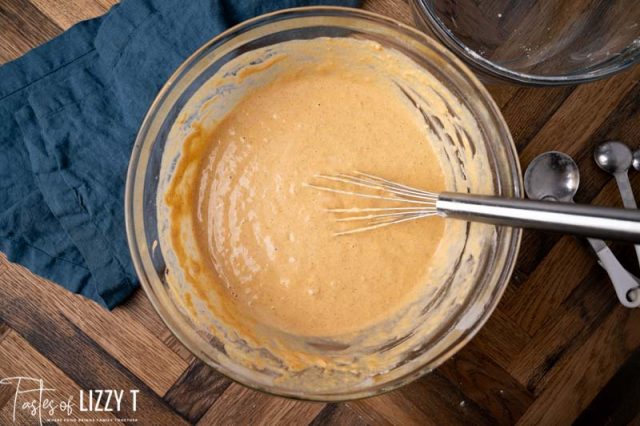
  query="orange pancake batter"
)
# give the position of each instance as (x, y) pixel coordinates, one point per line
(269, 238)
(253, 249)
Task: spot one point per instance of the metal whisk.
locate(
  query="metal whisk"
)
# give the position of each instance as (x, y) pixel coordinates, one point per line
(418, 204)
(410, 203)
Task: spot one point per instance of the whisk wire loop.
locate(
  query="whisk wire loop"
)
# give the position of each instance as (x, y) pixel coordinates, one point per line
(422, 203)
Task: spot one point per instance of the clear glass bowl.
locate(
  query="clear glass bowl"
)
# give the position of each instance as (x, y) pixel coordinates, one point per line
(545, 42)
(495, 264)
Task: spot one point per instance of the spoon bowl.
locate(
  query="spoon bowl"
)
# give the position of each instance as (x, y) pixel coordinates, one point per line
(636, 160)
(552, 176)
(613, 157)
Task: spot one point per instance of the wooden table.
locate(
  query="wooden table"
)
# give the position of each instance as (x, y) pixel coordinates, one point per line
(559, 348)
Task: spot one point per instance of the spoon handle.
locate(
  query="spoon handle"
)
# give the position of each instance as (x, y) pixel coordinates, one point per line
(578, 219)
(626, 192)
(626, 286)
(628, 200)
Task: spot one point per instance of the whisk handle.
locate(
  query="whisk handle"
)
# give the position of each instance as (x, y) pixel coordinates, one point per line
(579, 219)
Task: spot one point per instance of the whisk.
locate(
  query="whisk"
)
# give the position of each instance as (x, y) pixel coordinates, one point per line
(409, 203)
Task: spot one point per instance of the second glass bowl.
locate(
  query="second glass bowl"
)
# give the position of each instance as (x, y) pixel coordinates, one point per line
(542, 43)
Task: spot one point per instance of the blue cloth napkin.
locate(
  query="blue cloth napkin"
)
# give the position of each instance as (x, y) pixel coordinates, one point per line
(69, 113)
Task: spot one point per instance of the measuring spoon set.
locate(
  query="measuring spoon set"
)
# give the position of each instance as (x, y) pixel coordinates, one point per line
(555, 176)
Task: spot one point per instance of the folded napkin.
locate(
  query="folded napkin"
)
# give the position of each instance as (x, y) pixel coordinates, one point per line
(69, 113)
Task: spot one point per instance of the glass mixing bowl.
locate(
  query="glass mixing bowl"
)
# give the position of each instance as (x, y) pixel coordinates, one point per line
(542, 42)
(492, 268)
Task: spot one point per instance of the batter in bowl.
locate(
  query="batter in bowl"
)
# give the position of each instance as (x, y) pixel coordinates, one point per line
(253, 248)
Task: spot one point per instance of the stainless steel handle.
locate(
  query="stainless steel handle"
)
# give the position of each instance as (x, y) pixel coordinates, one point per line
(589, 221)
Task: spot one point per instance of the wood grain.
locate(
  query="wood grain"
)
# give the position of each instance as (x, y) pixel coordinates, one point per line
(338, 414)
(488, 385)
(565, 263)
(580, 115)
(3, 263)
(130, 343)
(574, 323)
(23, 27)
(38, 314)
(501, 338)
(258, 409)
(529, 109)
(397, 9)
(195, 392)
(616, 402)
(558, 349)
(588, 370)
(65, 13)
(19, 359)
(4, 331)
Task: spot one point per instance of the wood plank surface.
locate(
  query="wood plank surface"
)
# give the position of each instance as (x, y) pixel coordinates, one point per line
(558, 349)
(19, 359)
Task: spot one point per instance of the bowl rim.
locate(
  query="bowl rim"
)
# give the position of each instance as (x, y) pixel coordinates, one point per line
(428, 16)
(135, 171)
